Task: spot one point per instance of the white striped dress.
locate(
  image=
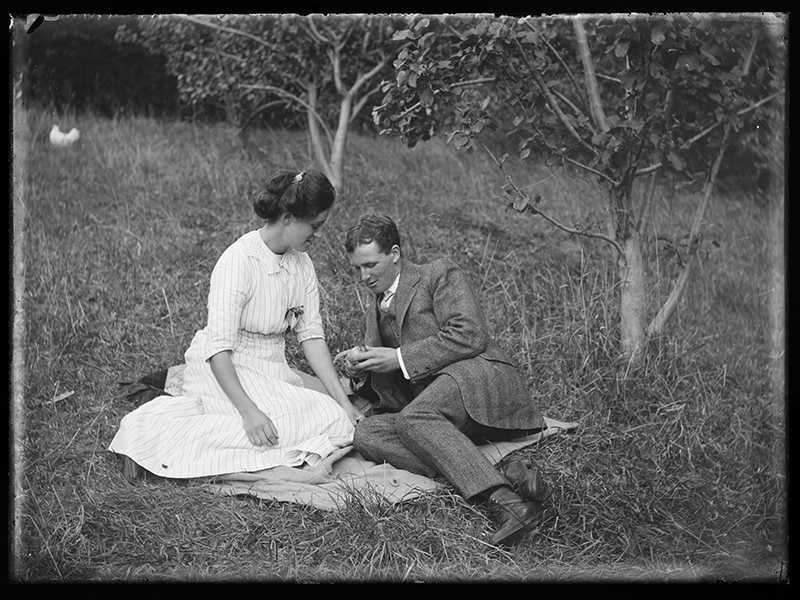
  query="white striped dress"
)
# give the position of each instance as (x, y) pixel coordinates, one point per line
(200, 433)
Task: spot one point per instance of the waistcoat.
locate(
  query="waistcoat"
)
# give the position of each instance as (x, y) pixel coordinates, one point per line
(387, 326)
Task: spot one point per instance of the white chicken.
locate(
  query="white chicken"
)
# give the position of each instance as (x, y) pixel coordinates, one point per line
(59, 138)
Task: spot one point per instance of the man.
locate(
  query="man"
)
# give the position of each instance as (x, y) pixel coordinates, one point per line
(437, 381)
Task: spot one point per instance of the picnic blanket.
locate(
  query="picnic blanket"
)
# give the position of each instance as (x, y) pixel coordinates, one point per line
(333, 482)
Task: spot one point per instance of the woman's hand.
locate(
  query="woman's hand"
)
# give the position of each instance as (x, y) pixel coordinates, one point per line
(259, 428)
(353, 413)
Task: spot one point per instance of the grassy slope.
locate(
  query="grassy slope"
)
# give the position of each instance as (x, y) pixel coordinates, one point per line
(674, 474)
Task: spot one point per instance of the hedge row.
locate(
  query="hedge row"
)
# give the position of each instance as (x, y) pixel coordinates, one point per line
(75, 64)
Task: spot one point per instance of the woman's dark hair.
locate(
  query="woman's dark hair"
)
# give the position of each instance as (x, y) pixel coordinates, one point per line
(304, 194)
(373, 228)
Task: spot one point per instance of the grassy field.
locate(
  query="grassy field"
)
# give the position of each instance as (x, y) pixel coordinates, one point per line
(676, 472)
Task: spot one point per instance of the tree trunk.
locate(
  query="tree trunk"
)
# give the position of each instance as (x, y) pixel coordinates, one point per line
(595, 102)
(633, 295)
(316, 137)
(337, 152)
(633, 299)
(630, 267)
(331, 164)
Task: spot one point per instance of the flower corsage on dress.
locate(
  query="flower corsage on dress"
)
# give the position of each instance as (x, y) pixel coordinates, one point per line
(292, 316)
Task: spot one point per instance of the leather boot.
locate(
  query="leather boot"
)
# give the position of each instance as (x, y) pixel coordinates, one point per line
(518, 517)
(132, 470)
(525, 479)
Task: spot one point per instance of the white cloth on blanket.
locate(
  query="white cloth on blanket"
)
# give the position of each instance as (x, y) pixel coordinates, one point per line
(345, 473)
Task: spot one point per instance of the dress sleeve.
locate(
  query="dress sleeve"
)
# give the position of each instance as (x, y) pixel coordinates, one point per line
(309, 325)
(230, 289)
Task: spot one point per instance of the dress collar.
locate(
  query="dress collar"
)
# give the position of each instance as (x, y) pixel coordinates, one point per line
(255, 246)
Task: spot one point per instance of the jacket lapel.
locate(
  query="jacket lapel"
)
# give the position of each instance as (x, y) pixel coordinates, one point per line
(406, 289)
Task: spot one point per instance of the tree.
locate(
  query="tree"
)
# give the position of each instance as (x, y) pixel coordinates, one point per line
(327, 68)
(617, 97)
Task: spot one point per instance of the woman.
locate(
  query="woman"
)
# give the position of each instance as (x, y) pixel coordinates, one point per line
(243, 408)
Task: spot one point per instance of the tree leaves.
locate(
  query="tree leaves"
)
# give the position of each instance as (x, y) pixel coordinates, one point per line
(657, 36)
(677, 162)
(400, 36)
(688, 60)
(629, 78)
(522, 203)
(421, 24)
(426, 97)
(664, 81)
(240, 62)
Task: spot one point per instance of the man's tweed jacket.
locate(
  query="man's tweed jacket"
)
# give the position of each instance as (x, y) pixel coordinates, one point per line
(443, 330)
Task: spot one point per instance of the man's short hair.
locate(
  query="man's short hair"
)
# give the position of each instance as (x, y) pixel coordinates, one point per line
(373, 228)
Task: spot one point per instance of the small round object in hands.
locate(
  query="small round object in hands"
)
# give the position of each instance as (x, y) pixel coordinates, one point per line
(351, 355)
(354, 353)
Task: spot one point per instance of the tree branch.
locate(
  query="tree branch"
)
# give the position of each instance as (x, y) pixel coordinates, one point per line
(452, 86)
(668, 308)
(362, 79)
(259, 109)
(245, 34)
(741, 112)
(358, 106)
(650, 169)
(608, 77)
(312, 29)
(295, 98)
(336, 63)
(551, 101)
(575, 109)
(561, 60)
(541, 213)
(589, 169)
(580, 165)
(665, 313)
(316, 143)
(688, 143)
(647, 208)
(595, 103)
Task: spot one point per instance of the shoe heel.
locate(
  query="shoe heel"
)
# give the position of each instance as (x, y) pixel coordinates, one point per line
(131, 470)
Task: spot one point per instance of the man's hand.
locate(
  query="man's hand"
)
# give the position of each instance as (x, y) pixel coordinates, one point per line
(375, 360)
(348, 356)
(352, 370)
(348, 359)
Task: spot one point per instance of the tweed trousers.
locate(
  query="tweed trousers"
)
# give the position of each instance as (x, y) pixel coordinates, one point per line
(433, 435)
